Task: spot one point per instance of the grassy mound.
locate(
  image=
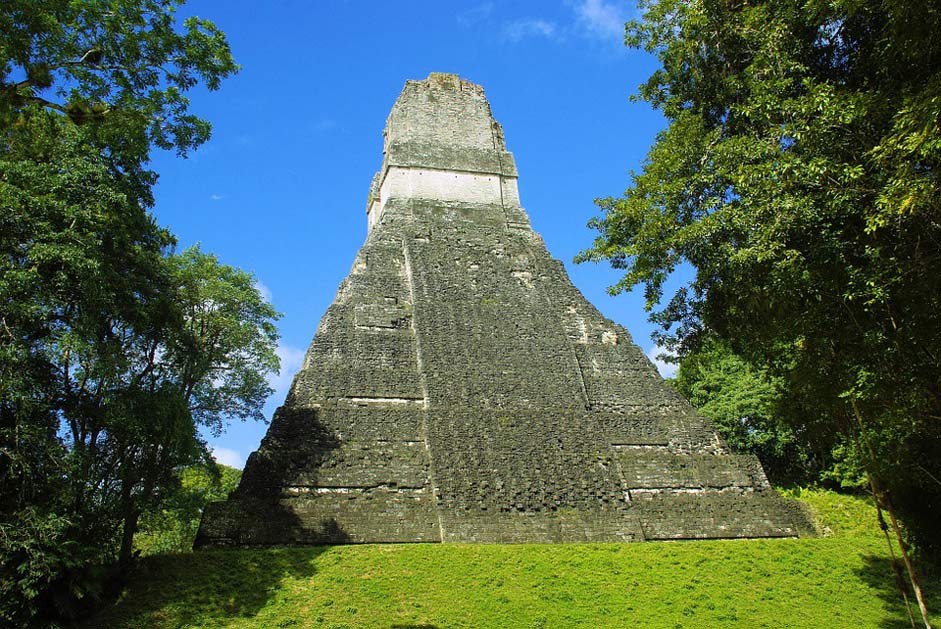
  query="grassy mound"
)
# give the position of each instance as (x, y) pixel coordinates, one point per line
(839, 580)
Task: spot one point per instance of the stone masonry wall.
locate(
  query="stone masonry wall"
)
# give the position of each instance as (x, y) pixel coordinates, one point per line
(461, 389)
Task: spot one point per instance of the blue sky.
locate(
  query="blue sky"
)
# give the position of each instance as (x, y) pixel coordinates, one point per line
(280, 189)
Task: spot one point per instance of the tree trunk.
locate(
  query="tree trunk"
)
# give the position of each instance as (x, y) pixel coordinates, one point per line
(130, 516)
(899, 580)
(127, 539)
(883, 502)
(912, 575)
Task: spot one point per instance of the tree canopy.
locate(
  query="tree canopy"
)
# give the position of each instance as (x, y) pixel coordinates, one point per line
(171, 526)
(798, 177)
(119, 69)
(748, 409)
(115, 350)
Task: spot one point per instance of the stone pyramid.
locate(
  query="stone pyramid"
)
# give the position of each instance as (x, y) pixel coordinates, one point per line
(461, 389)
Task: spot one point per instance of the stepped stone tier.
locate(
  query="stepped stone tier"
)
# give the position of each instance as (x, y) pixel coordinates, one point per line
(461, 389)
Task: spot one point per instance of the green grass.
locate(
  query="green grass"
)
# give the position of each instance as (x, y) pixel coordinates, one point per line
(839, 580)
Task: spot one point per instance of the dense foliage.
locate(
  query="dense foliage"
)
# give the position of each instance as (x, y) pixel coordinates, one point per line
(748, 409)
(798, 176)
(119, 69)
(171, 526)
(114, 349)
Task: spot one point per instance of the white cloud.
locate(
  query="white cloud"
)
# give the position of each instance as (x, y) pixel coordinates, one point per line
(229, 457)
(475, 14)
(216, 197)
(657, 355)
(528, 27)
(291, 360)
(602, 19)
(264, 290)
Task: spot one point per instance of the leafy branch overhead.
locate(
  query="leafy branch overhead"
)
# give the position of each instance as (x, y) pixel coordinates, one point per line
(124, 64)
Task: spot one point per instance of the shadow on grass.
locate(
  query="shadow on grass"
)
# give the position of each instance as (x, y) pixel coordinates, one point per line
(878, 574)
(246, 570)
(209, 587)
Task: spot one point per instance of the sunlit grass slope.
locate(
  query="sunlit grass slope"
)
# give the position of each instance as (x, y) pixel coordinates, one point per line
(839, 580)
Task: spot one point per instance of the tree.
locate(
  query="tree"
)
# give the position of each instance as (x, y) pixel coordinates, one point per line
(798, 176)
(119, 69)
(208, 363)
(746, 406)
(113, 350)
(172, 527)
(76, 257)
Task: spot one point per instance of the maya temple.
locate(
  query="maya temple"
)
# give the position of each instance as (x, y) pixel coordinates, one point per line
(461, 389)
